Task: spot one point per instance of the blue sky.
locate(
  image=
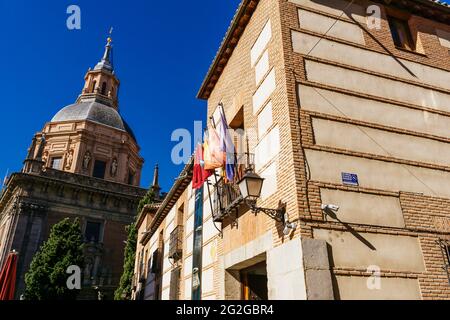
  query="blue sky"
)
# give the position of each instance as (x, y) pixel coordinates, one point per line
(162, 50)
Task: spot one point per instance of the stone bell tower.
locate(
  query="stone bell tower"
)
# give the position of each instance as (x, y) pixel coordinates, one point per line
(90, 137)
(102, 82)
(85, 164)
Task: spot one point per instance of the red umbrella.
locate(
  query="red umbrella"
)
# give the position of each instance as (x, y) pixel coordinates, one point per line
(8, 277)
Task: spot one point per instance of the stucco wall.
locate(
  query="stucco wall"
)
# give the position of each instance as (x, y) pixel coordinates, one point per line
(389, 252)
(356, 288)
(364, 208)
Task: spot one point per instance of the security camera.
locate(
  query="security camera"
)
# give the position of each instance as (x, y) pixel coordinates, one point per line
(288, 227)
(331, 207)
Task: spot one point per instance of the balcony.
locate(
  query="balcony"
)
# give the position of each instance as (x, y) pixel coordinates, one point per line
(226, 199)
(176, 243)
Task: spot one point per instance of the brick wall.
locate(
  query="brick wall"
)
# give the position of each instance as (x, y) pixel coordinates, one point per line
(426, 217)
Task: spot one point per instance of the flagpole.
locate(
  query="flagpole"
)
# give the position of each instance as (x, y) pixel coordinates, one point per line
(215, 176)
(212, 122)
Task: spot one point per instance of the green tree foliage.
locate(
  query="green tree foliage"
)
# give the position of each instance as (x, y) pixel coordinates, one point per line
(47, 277)
(147, 199)
(123, 292)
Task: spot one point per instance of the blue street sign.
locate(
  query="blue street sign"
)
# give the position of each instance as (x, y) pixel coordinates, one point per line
(350, 179)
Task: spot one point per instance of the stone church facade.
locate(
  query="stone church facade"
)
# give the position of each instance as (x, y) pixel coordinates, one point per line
(84, 163)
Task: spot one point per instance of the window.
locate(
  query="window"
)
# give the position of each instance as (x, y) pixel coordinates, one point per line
(157, 266)
(141, 266)
(104, 88)
(154, 262)
(238, 120)
(240, 143)
(180, 215)
(99, 169)
(401, 34)
(145, 269)
(149, 263)
(94, 85)
(138, 271)
(238, 127)
(92, 231)
(56, 163)
(130, 178)
(176, 244)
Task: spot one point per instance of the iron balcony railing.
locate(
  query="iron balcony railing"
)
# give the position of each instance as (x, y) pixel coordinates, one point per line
(226, 198)
(176, 243)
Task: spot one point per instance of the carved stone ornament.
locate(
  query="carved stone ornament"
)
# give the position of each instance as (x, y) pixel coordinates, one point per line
(69, 160)
(41, 147)
(114, 166)
(45, 157)
(86, 160)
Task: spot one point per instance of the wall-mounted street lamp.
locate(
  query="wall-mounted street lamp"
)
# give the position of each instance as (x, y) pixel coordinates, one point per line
(251, 186)
(230, 195)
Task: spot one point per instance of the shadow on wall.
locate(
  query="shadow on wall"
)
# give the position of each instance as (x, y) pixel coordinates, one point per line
(350, 9)
(349, 228)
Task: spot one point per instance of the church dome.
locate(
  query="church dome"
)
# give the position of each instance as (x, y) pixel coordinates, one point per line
(95, 112)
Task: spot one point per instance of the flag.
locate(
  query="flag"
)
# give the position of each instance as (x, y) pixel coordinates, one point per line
(213, 156)
(227, 146)
(8, 277)
(199, 173)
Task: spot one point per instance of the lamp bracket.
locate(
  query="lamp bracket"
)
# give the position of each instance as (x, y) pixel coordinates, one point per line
(276, 214)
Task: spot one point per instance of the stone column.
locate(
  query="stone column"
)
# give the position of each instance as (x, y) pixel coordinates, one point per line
(319, 284)
(285, 272)
(27, 239)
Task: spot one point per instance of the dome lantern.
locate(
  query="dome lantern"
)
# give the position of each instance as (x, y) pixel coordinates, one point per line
(101, 82)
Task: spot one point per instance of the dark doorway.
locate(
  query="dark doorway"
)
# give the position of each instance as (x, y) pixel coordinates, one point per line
(254, 282)
(99, 169)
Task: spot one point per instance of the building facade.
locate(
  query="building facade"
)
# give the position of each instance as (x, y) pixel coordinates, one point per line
(84, 163)
(346, 105)
(162, 248)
